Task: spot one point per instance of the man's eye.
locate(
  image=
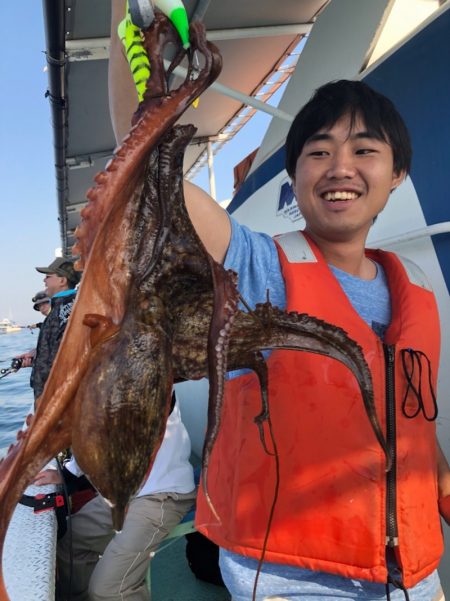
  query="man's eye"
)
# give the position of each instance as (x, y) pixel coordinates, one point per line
(317, 153)
(365, 151)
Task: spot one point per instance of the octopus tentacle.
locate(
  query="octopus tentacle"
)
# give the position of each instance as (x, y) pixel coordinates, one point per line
(158, 112)
(260, 368)
(273, 328)
(225, 307)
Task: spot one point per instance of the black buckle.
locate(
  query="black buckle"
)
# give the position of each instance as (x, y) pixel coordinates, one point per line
(41, 503)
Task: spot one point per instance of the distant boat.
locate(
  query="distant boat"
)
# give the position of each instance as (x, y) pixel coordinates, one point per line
(7, 326)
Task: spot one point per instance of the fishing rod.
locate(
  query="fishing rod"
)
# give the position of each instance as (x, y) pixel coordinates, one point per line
(16, 364)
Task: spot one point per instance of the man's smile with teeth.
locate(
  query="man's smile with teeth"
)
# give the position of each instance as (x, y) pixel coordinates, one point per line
(340, 195)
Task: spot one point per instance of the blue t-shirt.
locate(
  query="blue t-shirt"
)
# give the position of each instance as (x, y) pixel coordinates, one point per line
(254, 257)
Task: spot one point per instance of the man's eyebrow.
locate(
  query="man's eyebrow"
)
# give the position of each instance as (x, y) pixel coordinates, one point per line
(367, 135)
(360, 135)
(318, 138)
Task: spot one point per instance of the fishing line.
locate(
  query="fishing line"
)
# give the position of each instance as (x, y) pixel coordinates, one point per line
(246, 305)
(274, 501)
(250, 311)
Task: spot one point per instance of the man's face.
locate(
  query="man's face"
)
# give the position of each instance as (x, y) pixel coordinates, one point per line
(44, 308)
(342, 181)
(54, 283)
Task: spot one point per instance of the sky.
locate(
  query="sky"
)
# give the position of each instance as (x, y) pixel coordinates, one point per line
(30, 231)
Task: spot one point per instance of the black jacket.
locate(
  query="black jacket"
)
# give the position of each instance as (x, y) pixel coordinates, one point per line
(49, 340)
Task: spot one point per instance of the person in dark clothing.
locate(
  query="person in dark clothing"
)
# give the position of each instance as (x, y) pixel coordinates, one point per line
(42, 303)
(60, 281)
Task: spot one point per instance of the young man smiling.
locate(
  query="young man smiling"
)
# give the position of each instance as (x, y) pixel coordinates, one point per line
(342, 527)
(342, 181)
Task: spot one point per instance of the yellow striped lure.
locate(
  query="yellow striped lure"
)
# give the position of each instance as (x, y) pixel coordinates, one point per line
(131, 37)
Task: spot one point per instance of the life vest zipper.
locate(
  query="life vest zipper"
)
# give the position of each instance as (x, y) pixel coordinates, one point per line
(391, 476)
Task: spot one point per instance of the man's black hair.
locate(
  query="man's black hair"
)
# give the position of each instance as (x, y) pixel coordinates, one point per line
(332, 101)
(72, 283)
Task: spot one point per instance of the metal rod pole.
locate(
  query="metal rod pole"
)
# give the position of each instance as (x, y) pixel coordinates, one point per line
(212, 179)
(245, 33)
(430, 230)
(244, 98)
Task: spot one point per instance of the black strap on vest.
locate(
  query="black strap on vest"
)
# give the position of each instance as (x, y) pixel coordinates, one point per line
(394, 575)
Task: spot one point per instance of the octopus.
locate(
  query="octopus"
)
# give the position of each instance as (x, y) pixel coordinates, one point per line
(153, 308)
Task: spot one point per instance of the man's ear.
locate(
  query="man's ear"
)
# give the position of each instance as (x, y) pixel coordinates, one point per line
(293, 184)
(397, 179)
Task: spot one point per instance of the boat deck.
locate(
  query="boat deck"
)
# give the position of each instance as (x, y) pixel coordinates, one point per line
(172, 579)
(29, 567)
(171, 576)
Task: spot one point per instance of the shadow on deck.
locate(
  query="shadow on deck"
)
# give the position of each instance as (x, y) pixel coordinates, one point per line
(172, 579)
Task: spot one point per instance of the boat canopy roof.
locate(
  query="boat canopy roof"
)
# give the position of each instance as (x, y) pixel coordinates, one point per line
(254, 37)
(258, 40)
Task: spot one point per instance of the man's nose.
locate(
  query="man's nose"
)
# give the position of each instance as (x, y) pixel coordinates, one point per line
(342, 165)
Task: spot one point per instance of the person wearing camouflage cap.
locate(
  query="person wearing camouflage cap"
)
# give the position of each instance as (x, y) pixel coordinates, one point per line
(41, 302)
(61, 267)
(60, 281)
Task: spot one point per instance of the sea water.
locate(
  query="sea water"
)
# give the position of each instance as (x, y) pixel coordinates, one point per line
(16, 396)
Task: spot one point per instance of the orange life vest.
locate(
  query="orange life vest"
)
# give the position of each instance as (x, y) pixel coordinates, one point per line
(331, 511)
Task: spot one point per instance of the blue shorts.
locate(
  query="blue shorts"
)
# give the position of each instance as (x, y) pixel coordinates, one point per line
(297, 584)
